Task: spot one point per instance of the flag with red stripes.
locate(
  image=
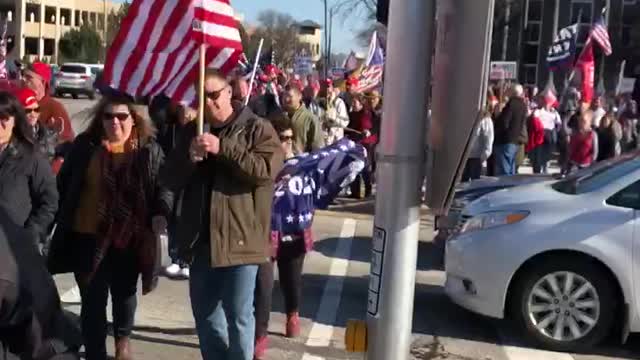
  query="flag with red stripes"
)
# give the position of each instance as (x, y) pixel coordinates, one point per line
(600, 34)
(157, 48)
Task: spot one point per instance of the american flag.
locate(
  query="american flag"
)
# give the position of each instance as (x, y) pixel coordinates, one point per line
(157, 48)
(3, 52)
(600, 35)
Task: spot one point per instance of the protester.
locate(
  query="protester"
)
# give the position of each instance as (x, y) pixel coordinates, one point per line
(360, 126)
(598, 111)
(336, 116)
(45, 138)
(535, 145)
(508, 132)
(37, 77)
(583, 146)
(351, 86)
(32, 323)
(264, 279)
(374, 104)
(609, 136)
(550, 120)
(482, 145)
(306, 130)
(310, 99)
(111, 214)
(27, 185)
(226, 175)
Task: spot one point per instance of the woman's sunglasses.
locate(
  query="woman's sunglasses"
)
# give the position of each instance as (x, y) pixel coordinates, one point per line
(34, 110)
(286, 138)
(119, 116)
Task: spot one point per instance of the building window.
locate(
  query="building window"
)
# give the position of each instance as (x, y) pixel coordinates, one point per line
(50, 15)
(582, 14)
(33, 13)
(85, 18)
(65, 17)
(78, 20)
(49, 47)
(31, 46)
(307, 30)
(100, 22)
(532, 36)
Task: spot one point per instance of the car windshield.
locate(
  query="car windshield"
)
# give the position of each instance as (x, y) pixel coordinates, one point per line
(74, 69)
(598, 175)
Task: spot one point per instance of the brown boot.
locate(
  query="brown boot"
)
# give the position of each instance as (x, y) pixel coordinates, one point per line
(123, 349)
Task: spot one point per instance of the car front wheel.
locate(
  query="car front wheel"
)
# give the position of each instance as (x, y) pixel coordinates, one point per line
(565, 305)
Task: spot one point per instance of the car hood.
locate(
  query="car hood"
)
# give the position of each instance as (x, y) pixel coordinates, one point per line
(515, 198)
(500, 182)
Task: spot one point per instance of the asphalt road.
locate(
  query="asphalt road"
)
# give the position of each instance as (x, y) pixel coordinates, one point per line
(335, 290)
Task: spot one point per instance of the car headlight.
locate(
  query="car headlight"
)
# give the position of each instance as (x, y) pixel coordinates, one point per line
(492, 219)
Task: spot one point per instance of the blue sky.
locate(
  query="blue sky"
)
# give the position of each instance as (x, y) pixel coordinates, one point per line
(343, 34)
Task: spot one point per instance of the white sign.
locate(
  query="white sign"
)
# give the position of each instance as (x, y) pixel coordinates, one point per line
(303, 65)
(503, 70)
(375, 272)
(627, 85)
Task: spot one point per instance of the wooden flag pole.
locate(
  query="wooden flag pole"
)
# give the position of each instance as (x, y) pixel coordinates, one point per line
(253, 72)
(203, 51)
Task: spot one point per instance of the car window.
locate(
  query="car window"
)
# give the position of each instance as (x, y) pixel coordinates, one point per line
(628, 197)
(599, 175)
(95, 70)
(73, 69)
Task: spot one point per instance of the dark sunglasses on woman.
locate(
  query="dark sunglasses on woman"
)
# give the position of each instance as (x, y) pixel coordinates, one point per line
(119, 116)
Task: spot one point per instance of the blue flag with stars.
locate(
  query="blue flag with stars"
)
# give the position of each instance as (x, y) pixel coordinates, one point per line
(311, 181)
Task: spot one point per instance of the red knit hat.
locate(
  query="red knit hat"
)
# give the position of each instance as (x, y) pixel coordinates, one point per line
(353, 81)
(27, 97)
(42, 69)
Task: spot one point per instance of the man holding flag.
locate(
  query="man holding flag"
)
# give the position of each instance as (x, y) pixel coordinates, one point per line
(224, 169)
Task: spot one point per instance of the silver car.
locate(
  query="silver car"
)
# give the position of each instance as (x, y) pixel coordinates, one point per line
(75, 79)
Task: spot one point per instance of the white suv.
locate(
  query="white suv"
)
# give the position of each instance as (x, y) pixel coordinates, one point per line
(75, 79)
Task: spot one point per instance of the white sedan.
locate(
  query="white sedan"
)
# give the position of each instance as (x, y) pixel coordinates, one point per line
(561, 258)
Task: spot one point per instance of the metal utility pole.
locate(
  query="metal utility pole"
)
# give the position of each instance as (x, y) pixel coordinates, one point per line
(505, 34)
(556, 19)
(326, 43)
(401, 164)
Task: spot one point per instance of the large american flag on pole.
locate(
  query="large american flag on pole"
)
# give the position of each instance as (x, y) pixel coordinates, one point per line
(157, 48)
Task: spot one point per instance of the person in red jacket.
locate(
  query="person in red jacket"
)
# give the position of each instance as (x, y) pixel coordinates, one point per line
(53, 115)
(359, 130)
(534, 147)
(583, 145)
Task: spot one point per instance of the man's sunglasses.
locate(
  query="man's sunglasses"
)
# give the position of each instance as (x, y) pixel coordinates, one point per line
(214, 95)
(34, 110)
(119, 116)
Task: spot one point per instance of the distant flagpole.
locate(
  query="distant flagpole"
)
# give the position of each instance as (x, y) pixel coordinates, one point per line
(253, 72)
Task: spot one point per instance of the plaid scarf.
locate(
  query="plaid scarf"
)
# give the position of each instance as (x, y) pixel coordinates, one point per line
(122, 209)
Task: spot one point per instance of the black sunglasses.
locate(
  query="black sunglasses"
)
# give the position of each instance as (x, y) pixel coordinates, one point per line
(119, 116)
(286, 138)
(34, 110)
(214, 95)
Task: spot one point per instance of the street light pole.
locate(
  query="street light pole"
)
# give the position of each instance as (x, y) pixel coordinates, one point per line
(400, 158)
(326, 43)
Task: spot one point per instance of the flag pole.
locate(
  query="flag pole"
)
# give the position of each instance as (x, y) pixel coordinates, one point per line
(253, 72)
(203, 51)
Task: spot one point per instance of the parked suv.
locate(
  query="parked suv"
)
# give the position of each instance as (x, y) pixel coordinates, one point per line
(75, 79)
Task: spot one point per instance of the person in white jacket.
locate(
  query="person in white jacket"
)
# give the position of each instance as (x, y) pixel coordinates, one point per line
(336, 116)
(481, 147)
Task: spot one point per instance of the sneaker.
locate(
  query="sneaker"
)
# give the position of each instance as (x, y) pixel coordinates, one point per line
(260, 351)
(293, 325)
(172, 270)
(184, 273)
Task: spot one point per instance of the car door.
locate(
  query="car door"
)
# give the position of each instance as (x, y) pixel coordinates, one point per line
(629, 198)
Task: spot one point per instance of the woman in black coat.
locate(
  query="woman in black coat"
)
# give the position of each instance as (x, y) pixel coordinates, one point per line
(112, 211)
(27, 185)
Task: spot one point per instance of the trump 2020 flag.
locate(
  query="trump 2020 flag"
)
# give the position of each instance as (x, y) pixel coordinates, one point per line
(311, 181)
(562, 51)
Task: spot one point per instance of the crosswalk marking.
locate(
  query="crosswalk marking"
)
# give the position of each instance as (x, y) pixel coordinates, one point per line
(321, 333)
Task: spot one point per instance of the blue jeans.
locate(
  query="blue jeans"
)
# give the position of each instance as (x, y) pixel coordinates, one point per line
(505, 155)
(222, 303)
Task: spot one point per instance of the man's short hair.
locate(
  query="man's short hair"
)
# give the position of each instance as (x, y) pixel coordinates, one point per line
(295, 89)
(214, 74)
(518, 90)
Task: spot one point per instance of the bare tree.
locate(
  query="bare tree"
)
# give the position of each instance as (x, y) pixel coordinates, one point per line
(277, 30)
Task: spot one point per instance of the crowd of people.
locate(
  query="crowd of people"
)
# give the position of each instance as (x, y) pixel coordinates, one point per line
(522, 123)
(95, 206)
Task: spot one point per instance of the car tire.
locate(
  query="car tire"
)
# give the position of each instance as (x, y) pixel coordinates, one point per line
(91, 95)
(582, 269)
(58, 94)
(75, 96)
